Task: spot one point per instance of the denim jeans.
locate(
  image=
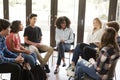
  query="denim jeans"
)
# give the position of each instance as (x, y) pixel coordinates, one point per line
(31, 59)
(85, 67)
(85, 51)
(61, 49)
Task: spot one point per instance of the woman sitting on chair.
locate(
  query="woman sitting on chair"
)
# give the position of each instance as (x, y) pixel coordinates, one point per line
(14, 44)
(64, 38)
(109, 52)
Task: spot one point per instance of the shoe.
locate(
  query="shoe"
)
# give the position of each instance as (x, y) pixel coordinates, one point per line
(71, 71)
(56, 71)
(64, 64)
(71, 67)
(47, 70)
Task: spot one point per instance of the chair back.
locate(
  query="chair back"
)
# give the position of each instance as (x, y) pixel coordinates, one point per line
(73, 43)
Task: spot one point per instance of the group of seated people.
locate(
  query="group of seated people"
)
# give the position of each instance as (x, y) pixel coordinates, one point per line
(13, 55)
(101, 49)
(99, 55)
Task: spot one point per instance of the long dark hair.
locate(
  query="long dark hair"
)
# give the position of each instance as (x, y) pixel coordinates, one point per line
(109, 38)
(113, 24)
(15, 26)
(61, 19)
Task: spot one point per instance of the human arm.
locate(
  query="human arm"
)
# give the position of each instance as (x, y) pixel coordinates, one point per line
(4, 59)
(57, 36)
(25, 50)
(71, 37)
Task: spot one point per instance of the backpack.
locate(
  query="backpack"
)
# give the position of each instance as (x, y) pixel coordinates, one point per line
(38, 73)
(26, 73)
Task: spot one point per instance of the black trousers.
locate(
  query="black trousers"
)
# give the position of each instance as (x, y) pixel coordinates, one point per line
(88, 51)
(13, 68)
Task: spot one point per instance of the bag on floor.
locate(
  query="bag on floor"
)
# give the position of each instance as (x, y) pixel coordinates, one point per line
(26, 73)
(38, 73)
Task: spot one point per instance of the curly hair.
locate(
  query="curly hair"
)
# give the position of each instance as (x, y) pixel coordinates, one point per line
(61, 19)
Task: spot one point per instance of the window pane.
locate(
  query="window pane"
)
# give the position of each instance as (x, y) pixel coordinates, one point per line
(70, 10)
(17, 11)
(118, 12)
(95, 8)
(1, 9)
(42, 9)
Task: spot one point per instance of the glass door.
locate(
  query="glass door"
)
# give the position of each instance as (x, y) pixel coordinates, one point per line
(118, 12)
(95, 8)
(69, 9)
(42, 9)
(1, 9)
(17, 9)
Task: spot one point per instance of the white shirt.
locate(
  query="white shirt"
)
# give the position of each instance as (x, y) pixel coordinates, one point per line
(66, 35)
(95, 37)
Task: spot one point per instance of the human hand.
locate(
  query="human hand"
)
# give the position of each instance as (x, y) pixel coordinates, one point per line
(27, 52)
(19, 59)
(91, 60)
(62, 41)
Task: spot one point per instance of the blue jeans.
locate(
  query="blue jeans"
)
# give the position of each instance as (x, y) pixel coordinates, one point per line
(85, 67)
(84, 50)
(61, 49)
(30, 58)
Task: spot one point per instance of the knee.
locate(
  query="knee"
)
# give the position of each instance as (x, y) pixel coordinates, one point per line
(33, 49)
(51, 49)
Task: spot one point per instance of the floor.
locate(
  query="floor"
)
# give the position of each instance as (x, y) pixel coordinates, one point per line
(62, 73)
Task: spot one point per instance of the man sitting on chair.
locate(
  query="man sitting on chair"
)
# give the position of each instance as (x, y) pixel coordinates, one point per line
(32, 37)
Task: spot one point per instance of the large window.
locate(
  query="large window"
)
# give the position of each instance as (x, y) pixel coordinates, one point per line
(95, 8)
(17, 11)
(118, 12)
(1, 8)
(70, 9)
(42, 9)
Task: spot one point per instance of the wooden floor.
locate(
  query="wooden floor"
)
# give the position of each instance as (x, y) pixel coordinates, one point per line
(62, 72)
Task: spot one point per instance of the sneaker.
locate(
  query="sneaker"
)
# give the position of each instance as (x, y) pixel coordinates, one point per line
(47, 70)
(71, 71)
(64, 64)
(71, 67)
(56, 71)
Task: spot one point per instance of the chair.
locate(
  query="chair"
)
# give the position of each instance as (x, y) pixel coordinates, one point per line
(70, 51)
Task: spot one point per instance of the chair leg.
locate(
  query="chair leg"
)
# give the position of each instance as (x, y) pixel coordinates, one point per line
(52, 58)
(115, 75)
(69, 58)
(1, 76)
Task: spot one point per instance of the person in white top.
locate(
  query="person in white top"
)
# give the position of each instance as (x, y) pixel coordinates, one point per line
(95, 35)
(87, 50)
(64, 38)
